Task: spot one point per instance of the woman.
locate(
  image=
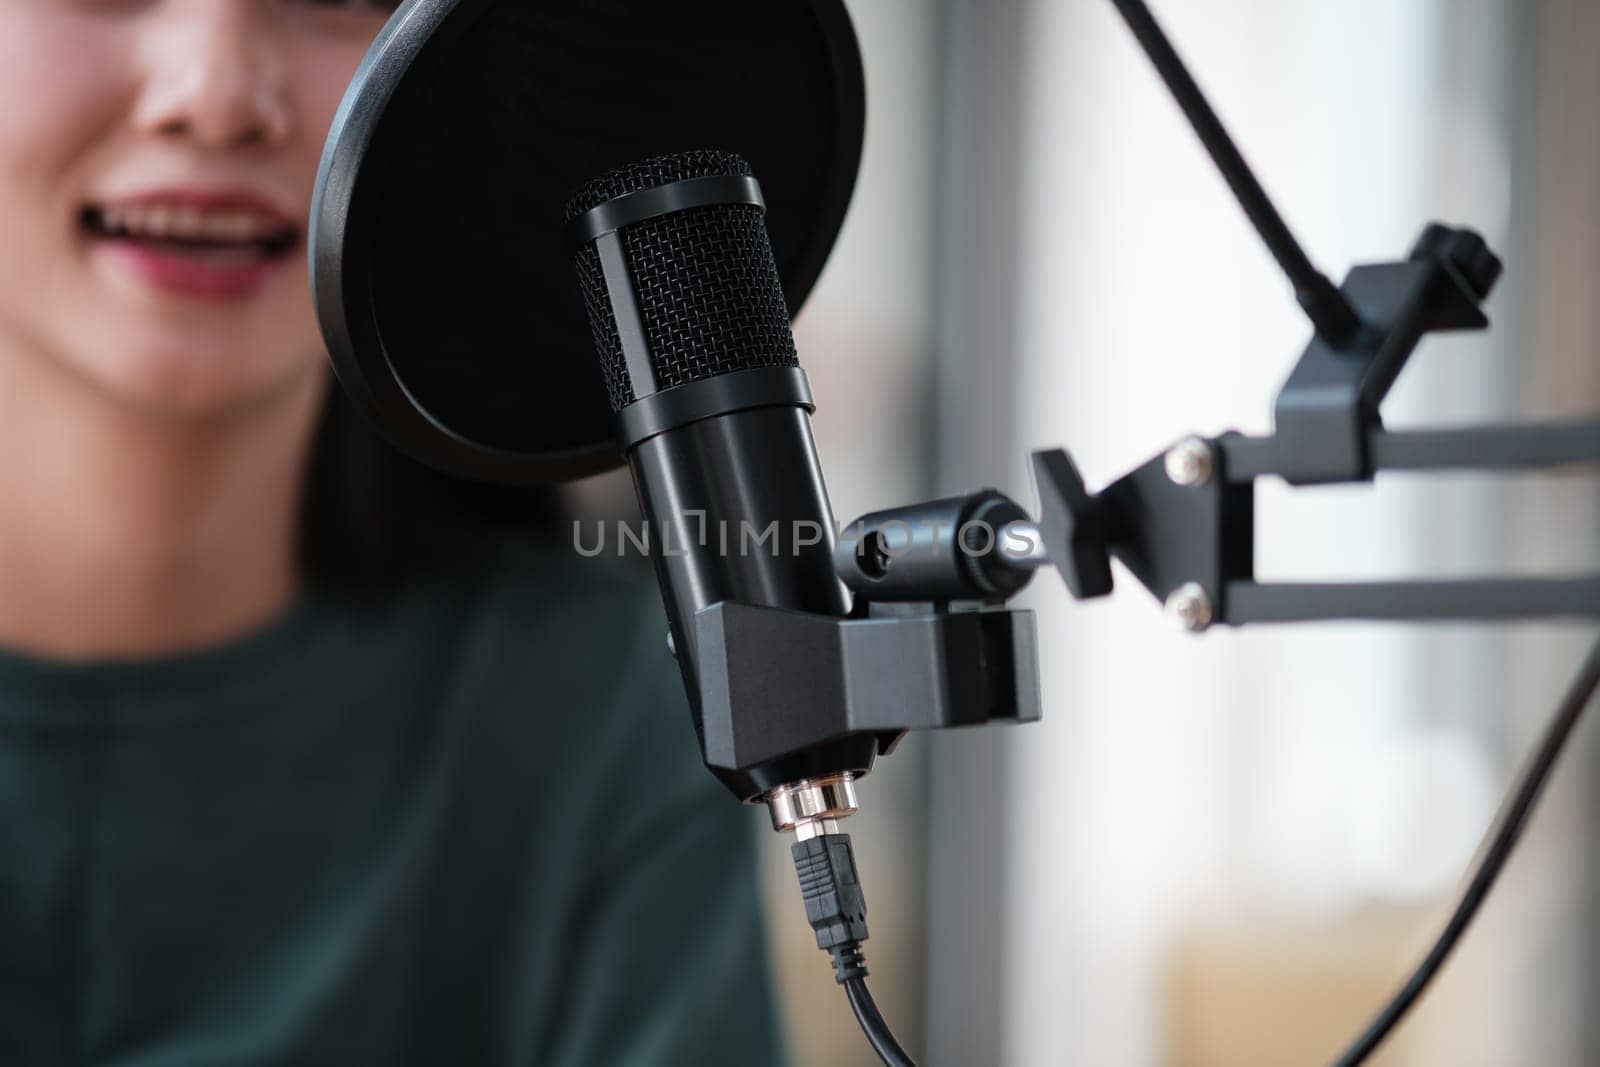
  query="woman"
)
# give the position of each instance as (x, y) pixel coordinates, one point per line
(294, 768)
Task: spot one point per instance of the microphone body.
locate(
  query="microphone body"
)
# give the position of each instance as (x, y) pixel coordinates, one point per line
(688, 313)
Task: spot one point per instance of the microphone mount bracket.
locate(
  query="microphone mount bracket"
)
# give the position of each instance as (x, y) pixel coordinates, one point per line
(1328, 409)
(1184, 522)
(773, 682)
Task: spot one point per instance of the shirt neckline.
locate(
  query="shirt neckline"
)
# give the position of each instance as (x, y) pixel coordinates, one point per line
(61, 692)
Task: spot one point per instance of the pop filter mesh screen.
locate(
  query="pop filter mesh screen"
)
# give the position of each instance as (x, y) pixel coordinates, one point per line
(474, 291)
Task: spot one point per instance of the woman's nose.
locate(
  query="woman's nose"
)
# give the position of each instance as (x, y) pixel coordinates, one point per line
(214, 77)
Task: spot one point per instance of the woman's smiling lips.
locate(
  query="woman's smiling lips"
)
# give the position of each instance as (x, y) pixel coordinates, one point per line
(211, 243)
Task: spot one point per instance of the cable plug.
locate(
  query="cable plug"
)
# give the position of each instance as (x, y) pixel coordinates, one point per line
(835, 904)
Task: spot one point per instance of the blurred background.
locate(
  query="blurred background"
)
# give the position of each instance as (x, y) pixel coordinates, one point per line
(1228, 849)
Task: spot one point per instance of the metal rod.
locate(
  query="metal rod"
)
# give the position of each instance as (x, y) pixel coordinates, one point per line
(1330, 313)
(1548, 444)
(1508, 446)
(1575, 596)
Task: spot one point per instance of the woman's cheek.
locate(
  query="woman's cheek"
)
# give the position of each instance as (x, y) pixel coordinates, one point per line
(60, 76)
(322, 72)
(66, 88)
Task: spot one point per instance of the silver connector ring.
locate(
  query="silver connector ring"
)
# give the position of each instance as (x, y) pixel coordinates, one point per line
(810, 801)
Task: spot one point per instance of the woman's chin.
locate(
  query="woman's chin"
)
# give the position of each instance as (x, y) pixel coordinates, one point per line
(183, 382)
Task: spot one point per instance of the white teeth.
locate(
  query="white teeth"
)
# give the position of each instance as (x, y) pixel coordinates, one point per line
(237, 227)
(190, 223)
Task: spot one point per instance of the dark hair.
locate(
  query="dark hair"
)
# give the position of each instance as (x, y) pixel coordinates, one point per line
(373, 517)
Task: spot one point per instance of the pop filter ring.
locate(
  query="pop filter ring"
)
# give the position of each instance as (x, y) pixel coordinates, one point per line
(395, 73)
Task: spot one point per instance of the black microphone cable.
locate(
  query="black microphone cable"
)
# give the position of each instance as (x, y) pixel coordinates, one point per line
(837, 910)
(1502, 838)
(877, 1031)
(836, 907)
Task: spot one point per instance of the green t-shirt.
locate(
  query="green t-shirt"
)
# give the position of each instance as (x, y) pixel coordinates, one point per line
(467, 825)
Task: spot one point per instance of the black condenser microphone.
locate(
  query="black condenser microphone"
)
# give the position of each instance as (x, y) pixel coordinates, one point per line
(713, 412)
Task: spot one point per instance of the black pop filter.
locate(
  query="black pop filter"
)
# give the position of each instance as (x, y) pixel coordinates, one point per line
(444, 287)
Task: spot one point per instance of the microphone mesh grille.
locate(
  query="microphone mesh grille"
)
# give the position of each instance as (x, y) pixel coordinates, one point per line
(607, 342)
(707, 284)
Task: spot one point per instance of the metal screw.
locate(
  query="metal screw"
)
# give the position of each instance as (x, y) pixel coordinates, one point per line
(1189, 607)
(1189, 462)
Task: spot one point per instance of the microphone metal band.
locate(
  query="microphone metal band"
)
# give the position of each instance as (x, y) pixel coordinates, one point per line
(682, 404)
(635, 207)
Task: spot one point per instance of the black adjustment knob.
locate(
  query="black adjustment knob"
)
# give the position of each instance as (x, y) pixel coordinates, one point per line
(942, 550)
(1464, 254)
(1071, 526)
